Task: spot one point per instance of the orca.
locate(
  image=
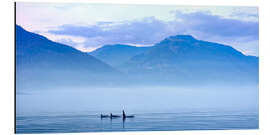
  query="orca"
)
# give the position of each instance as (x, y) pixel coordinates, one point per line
(126, 116)
(104, 116)
(113, 116)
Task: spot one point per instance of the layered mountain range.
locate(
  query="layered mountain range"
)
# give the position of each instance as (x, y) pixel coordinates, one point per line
(182, 58)
(175, 60)
(116, 55)
(42, 62)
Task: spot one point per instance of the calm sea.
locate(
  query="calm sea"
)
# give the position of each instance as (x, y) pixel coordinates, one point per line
(204, 120)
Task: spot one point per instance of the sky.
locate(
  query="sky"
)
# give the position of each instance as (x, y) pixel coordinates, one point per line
(87, 26)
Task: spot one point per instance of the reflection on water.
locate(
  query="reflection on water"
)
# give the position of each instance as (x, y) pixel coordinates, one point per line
(141, 122)
(78, 109)
(124, 123)
(111, 120)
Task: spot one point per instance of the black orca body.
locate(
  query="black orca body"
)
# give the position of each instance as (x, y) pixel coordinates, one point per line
(127, 116)
(114, 116)
(130, 116)
(124, 116)
(104, 116)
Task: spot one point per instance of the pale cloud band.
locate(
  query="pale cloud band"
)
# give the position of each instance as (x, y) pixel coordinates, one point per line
(89, 26)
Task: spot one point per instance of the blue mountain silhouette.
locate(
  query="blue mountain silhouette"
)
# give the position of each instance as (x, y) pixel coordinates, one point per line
(117, 54)
(184, 58)
(46, 62)
(176, 60)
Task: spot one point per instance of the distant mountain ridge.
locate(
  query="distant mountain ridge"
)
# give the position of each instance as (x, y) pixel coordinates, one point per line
(39, 59)
(36, 49)
(176, 60)
(184, 58)
(117, 54)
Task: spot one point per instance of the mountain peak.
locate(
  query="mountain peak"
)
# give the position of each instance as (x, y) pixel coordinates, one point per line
(182, 37)
(178, 39)
(19, 28)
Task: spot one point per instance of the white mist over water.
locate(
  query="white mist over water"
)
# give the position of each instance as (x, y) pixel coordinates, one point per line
(136, 99)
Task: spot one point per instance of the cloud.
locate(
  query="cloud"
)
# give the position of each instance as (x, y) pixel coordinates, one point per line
(241, 34)
(216, 25)
(247, 16)
(146, 31)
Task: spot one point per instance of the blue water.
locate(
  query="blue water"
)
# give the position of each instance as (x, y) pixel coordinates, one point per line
(64, 110)
(189, 120)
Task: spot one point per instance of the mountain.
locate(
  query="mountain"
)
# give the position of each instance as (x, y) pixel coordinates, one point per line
(116, 55)
(176, 60)
(44, 62)
(182, 58)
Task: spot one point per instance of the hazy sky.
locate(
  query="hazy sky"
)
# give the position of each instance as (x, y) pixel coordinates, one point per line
(89, 26)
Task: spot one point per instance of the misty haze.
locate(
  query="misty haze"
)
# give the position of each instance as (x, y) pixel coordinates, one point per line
(149, 74)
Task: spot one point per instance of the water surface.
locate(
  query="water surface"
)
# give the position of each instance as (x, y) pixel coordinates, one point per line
(141, 122)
